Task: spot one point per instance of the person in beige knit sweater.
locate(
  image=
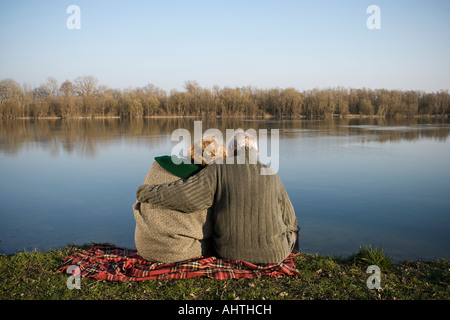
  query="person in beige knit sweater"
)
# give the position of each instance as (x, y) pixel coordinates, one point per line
(252, 216)
(166, 235)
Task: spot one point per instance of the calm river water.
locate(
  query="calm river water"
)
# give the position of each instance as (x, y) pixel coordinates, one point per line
(353, 182)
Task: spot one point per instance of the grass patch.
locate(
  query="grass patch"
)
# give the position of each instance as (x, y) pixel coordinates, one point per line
(371, 256)
(32, 276)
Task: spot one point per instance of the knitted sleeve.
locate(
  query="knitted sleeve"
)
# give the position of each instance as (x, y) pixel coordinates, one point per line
(193, 194)
(288, 213)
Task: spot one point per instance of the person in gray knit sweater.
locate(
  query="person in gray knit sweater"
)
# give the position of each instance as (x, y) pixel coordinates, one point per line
(252, 216)
(166, 235)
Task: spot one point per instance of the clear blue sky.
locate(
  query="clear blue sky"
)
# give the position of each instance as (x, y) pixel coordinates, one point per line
(262, 43)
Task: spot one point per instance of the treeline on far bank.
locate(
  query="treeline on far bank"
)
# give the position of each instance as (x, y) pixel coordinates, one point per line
(84, 97)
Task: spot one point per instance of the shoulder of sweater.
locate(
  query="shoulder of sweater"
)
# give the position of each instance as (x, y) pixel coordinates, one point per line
(214, 168)
(209, 170)
(158, 175)
(258, 166)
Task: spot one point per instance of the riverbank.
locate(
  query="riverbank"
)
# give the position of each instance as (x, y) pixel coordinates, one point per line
(32, 276)
(255, 117)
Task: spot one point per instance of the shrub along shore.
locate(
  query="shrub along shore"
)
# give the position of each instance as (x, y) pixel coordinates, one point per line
(85, 97)
(32, 276)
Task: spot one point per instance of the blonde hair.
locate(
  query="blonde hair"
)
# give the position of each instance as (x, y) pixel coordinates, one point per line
(207, 151)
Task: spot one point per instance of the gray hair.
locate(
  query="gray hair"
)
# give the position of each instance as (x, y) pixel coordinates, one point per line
(239, 140)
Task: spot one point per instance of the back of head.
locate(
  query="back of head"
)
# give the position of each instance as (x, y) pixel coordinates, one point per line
(207, 151)
(240, 141)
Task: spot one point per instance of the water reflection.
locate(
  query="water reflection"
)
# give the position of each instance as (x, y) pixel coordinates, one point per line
(82, 136)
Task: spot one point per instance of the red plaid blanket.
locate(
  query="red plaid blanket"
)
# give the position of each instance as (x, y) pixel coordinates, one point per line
(118, 264)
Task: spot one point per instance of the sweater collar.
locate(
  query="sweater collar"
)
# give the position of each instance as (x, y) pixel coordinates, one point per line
(182, 170)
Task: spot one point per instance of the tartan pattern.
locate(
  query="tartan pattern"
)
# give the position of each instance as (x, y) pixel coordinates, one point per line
(119, 264)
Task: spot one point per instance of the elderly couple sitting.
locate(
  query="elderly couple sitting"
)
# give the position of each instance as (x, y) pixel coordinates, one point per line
(185, 210)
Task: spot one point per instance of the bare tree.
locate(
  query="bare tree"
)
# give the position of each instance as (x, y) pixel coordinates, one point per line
(52, 85)
(11, 95)
(66, 88)
(9, 89)
(85, 85)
